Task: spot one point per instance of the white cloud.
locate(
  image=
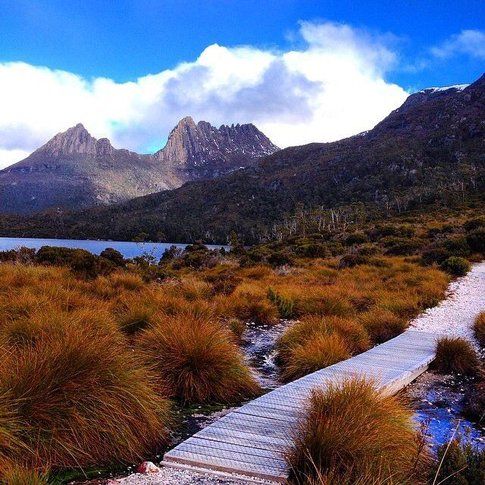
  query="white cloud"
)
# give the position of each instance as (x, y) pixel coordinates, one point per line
(469, 42)
(331, 88)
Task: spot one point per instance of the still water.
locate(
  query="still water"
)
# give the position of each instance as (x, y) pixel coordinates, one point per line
(126, 248)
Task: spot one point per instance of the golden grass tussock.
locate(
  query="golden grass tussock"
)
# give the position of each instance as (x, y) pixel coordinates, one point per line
(251, 306)
(314, 354)
(198, 360)
(479, 328)
(13, 474)
(455, 356)
(381, 324)
(316, 342)
(351, 434)
(82, 398)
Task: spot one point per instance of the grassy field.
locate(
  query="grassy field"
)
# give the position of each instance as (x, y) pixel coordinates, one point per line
(97, 352)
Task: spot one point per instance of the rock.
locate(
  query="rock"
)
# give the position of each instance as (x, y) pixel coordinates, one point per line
(147, 467)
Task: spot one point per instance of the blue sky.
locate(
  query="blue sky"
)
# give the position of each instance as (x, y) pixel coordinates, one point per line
(67, 47)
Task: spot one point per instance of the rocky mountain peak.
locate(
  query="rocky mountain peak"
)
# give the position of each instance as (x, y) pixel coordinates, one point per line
(193, 145)
(75, 140)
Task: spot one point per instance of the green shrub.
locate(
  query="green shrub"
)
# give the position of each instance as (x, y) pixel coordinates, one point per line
(280, 258)
(404, 247)
(456, 266)
(114, 256)
(457, 246)
(476, 240)
(355, 238)
(351, 260)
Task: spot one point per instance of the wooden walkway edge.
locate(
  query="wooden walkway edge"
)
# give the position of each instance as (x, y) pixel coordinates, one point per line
(251, 440)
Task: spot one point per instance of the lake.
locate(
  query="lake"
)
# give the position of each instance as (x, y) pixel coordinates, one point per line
(126, 248)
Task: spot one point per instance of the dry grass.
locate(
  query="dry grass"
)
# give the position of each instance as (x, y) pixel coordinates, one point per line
(82, 398)
(352, 434)
(197, 359)
(73, 380)
(363, 305)
(382, 324)
(479, 328)
(314, 354)
(11, 474)
(455, 356)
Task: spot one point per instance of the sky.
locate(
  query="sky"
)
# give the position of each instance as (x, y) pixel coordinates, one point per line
(301, 70)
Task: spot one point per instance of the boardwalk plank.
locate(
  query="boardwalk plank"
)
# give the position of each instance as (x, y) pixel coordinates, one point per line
(252, 439)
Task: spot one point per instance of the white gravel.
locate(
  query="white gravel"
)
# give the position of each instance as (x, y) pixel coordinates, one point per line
(174, 476)
(455, 315)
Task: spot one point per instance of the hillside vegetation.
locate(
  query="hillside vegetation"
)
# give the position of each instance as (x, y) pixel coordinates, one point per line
(427, 153)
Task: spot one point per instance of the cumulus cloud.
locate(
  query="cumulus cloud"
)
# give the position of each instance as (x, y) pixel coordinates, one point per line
(331, 87)
(468, 42)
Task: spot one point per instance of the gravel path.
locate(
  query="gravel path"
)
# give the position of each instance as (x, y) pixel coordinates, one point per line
(455, 315)
(174, 476)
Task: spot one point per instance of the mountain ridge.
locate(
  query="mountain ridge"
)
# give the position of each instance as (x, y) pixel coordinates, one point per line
(429, 150)
(74, 170)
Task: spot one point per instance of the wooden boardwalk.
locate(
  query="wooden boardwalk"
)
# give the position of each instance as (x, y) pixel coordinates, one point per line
(251, 440)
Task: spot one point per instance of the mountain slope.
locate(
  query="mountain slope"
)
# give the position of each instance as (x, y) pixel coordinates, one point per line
(74, 170)
(430, 149)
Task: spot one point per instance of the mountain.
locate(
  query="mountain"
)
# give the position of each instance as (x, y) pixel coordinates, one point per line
(428, 151)
(74, 170)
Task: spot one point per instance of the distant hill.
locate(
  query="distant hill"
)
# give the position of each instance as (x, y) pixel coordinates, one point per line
(74, 170)
(430, 150)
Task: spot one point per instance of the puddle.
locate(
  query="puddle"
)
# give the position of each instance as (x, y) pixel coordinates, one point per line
(439, 401)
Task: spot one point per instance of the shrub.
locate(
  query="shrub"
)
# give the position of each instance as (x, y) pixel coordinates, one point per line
(313, 354)
(459, 464)
(456, 266)
(457, 246)
(435, 254)
(475, 223)
(455, 356)
(114, 256)
(223, 282)
(21, 255)
(351, 260)
(382, 325)
(476, 240)
(355, 238)
(479, 328)
(352, 434)
(279, 258)
(402, 247)
(198, 360)
(83, 399)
